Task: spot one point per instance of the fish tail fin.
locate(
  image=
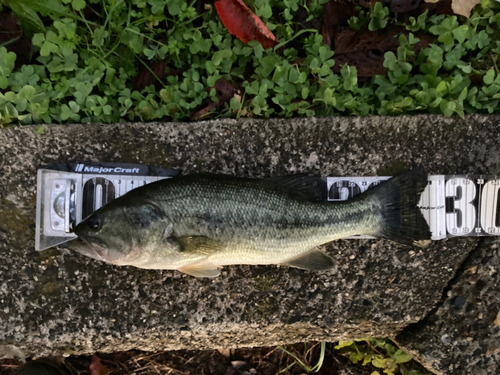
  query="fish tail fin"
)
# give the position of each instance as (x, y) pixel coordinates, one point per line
(402, 220)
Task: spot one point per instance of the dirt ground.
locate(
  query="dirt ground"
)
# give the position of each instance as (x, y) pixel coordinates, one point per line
(255, 361)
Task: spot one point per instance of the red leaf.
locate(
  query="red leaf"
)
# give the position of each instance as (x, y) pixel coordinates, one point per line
(241, 22)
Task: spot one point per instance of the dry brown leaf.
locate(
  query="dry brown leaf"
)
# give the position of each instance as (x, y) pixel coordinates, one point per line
(464, 7)
(97, 368)
(225, 91)
(365, 49)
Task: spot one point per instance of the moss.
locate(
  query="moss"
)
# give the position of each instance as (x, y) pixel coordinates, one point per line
(52, 288)
(263, 310)
(16, 224)
(263, 283)
(149, 150)
(48, 256)
(392, 168)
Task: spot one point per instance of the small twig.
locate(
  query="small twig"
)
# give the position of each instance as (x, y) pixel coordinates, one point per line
(146, 356)
(373, 348)
(271, 352)
(494, 62)
(310, 349)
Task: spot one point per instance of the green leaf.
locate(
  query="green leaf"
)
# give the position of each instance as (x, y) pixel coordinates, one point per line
(355, 357)
(210, 67)
(221, 55)
(27, 16)
(268, 63)
(174, 6)
(441, 88)
(401, 357)
(27, 92)
(380, 362)
(279, 73)
(78, 4)
(460, 33)
(264, 11)
(489, 77)
(46, 7)
(40, 130)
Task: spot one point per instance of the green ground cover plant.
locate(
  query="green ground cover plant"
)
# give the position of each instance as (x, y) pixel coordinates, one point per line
(143, 60)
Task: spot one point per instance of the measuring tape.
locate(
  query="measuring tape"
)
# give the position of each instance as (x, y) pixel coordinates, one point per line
(453, 205)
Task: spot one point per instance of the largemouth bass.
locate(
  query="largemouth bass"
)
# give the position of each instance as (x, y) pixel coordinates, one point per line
(198, 223)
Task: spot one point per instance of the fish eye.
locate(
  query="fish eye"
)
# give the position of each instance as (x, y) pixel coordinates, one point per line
(94, 222)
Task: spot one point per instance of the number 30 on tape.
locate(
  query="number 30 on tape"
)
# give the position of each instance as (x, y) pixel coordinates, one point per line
(453, 205)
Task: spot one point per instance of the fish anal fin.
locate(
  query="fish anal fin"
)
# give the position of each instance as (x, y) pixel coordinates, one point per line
(315, 260)
(204, 269)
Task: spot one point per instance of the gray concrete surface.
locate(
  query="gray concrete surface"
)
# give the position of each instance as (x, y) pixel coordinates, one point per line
(58, 302)
(462, 334)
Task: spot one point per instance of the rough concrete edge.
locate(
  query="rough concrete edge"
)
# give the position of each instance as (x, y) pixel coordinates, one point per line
(416, 355)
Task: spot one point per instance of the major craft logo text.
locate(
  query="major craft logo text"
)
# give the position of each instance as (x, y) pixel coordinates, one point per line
(83, 168)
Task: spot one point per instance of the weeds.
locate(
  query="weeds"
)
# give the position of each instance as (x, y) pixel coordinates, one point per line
(89, 54)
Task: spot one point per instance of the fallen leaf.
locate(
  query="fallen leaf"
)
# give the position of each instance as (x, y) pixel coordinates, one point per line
(438, 7)
(336, 15)
(225, 91)
(365, 49)
(97, 368)
(402, 6)
(225, 352)
(146, 78)
(241, 22)
(13, 38)
(464, 7)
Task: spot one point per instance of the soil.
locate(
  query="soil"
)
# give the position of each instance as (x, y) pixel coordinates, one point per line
(246, 361)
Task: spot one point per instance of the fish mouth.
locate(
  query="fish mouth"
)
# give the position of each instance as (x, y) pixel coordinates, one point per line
(89, 247)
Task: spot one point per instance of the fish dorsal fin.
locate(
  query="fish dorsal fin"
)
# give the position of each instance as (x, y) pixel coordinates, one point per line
(203, 269)
(302, 186)
(315, 260)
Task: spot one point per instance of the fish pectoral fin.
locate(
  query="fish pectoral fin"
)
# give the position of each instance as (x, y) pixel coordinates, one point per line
(315, 260)
(204, 269)
(199, 245)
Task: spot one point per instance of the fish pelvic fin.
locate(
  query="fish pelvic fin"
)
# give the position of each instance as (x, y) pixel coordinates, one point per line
(203, 269)
(315, 260)
(402, 220)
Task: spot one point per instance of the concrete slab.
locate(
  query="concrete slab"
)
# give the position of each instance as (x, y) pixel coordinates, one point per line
(58, 302)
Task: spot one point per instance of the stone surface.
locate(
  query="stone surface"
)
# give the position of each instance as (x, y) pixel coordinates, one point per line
(462, 334)
(58, 302)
